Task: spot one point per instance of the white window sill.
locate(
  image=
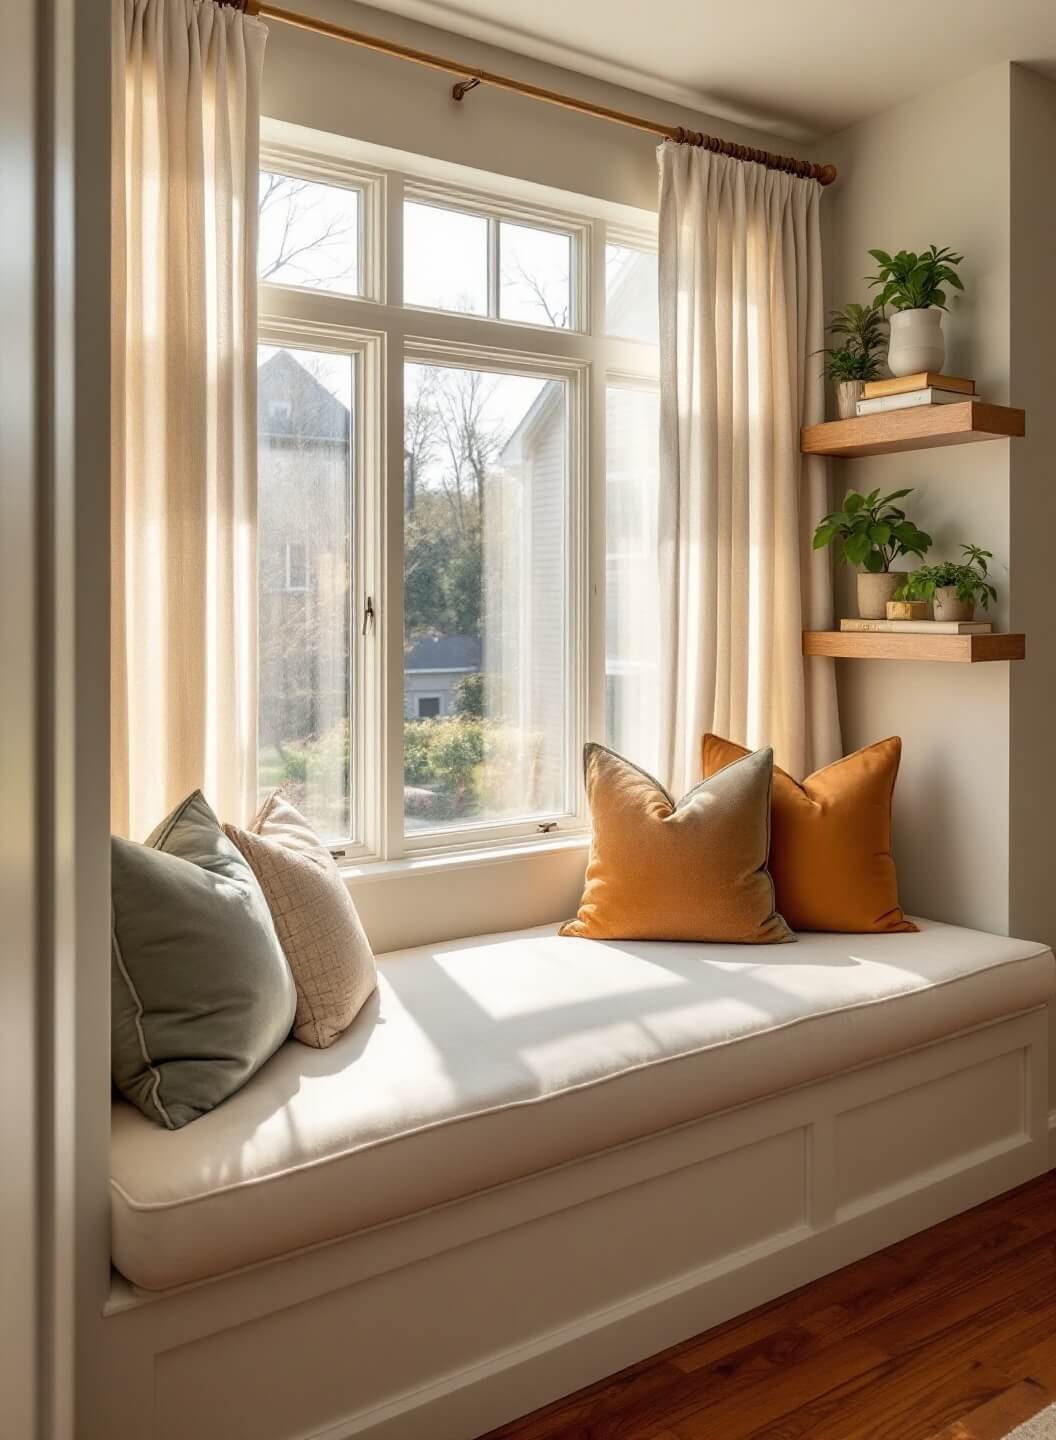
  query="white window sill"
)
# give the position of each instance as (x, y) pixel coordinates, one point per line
(455, 860)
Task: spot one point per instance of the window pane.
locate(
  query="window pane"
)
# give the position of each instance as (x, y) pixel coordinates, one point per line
(535, 275)
(309, 234)
(632, 302)
(632, 637)
(304, 539)
(445, 259)
(485, 598)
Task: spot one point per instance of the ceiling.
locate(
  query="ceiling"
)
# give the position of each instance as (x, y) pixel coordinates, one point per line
(800, 68)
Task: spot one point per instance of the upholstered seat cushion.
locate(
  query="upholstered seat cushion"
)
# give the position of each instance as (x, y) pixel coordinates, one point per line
(480, 1061)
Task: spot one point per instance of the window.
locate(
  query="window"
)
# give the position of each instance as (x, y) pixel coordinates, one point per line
(445, 259)
(475, 263)
(632, 300)
(523, 634)
(309, 234)
(632, 599)
(535, 276)
(486, 594)
(304, 547)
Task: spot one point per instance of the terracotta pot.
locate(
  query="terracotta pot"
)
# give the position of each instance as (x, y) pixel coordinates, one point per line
(916, 341)
(848, 393)
(874, 591)
(946, 606)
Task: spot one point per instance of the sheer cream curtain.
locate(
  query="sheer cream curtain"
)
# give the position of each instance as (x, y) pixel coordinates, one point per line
(741, 308)
(186, 122)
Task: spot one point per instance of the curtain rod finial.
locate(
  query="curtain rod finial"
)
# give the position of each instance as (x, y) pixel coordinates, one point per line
(826, 174)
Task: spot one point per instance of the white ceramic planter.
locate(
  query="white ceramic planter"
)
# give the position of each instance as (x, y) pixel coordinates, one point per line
(916, 342)
(874, 591)
(848, 393)
(946, 606)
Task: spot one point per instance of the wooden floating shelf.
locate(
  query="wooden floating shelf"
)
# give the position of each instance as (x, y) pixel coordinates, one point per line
(920, 428)
(884, 645)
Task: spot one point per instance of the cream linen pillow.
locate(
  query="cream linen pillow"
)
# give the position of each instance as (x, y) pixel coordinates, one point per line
(315, 920)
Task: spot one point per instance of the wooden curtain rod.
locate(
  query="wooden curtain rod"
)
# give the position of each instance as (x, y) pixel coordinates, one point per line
(472, 75)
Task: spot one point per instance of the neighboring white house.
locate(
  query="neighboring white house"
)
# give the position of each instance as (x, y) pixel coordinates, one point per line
(433, 668)
(526, 631)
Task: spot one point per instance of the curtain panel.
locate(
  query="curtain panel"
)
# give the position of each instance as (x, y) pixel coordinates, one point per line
(186, 140)
(741, 311)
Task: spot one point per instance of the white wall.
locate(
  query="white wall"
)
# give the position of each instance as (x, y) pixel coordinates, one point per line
(937, 169)
(1032, 889)
(967, 166)
(345, 90)
(1033, 494)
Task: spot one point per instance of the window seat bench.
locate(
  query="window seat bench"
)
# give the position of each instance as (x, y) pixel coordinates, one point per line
(533, 1161)
(483, 1061)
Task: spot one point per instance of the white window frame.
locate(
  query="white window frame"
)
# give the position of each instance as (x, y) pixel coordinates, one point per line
(384, 334)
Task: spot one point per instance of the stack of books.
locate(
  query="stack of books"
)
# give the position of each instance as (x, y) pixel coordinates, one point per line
(904, 392)
(920, 627)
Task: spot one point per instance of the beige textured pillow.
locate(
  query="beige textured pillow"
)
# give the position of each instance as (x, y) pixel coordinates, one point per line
(315, 920)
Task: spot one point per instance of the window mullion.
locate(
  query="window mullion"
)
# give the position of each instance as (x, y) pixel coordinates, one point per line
(494, 266)
(594, 480)
(390, 621)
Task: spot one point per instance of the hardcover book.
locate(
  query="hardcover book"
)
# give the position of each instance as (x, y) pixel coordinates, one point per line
(921, 381)
(919, 627)
(909, 400)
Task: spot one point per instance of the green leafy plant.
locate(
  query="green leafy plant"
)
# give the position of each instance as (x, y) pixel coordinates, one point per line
(909, 281)
(969, 577)
(872, 530)
(860, 330)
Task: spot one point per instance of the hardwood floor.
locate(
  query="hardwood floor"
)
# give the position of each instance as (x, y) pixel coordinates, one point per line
(949, 1335)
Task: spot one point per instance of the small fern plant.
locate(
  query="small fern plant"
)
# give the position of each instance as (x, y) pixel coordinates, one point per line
(860, 331)
(970, 579)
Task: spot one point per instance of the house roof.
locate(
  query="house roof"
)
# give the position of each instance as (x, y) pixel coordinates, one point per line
(305, 408)
(539, 411)
(444, 652)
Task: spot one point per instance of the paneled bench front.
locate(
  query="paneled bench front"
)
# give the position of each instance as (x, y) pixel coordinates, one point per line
(533, 1160)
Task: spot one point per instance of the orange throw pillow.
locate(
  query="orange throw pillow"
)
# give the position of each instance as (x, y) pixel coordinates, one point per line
(830, 848)
(695, 870)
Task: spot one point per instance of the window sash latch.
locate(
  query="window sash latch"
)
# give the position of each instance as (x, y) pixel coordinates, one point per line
(368, 615)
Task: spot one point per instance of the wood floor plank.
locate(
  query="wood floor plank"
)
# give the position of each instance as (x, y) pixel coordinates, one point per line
(999, 1416)
(743, 1414)
(947, 1335)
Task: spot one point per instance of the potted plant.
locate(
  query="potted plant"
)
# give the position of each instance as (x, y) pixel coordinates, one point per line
(953, 589)
(873, 532)
(848, 364)
(913, 285)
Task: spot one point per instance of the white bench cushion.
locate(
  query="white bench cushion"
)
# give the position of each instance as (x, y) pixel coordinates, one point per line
(484, 1060)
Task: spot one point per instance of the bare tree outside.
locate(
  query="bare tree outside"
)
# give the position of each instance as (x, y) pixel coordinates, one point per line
(534, 281)
(484, 456)
(309, 233)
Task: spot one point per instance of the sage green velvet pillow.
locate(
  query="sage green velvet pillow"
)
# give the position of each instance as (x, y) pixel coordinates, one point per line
(201, 994)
